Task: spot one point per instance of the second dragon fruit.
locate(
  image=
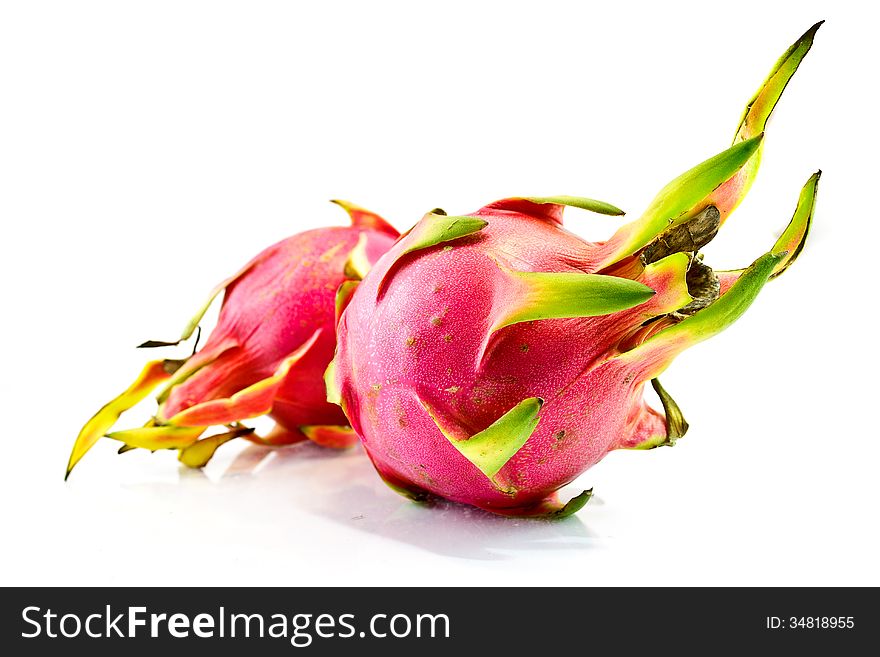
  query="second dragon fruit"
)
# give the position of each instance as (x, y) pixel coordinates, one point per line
(266, 356)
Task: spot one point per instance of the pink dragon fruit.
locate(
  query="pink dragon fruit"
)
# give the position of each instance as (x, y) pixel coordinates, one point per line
(266, 356)
(491, 358)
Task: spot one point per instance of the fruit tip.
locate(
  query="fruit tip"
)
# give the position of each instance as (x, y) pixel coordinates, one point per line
(808, 36)
(348, 206)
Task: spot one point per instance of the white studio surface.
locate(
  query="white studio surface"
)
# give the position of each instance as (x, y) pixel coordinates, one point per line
(147, 150)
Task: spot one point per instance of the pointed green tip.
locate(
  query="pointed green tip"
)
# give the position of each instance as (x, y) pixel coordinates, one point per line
(794, 236)
(364, 218)
(438, 228)
(562, 295)
(676, 425)
(574, 505)
(71, 463)
(812, 31)
(589, 204)
(761, 105)
(152, 344)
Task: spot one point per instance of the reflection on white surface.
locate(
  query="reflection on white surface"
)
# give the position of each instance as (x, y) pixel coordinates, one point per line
(708, 511)
(344, 488)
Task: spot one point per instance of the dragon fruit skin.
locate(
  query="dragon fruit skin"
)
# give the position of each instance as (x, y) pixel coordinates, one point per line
(286, 294)
(422, 358)
(274, 337)
(491, 358)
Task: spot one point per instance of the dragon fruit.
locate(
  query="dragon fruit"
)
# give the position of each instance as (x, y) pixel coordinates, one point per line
(266, 356)
(492, 358)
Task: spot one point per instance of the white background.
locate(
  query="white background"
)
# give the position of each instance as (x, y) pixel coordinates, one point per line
(149, 149)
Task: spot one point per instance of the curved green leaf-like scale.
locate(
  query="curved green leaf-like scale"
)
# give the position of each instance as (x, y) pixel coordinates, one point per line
(589, 204)
(197, 454)
(571, 507)
(490, 449)
(759, 108)
(334, 394)
(434, 229)
(654, 355)
(676, 425)
(793, 238)
(558, 295)
(756, 114)
(124, 449)
(358, 264)
(366, 219)
(679, 200)
(158, 437)
(152, 375)
(343, 296)
(552, 509)
(550, 208)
